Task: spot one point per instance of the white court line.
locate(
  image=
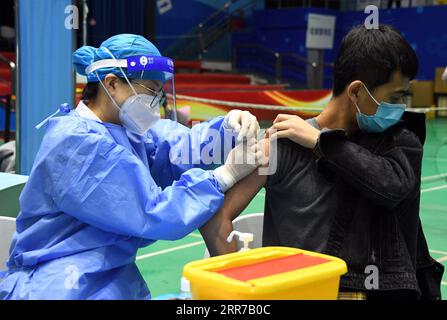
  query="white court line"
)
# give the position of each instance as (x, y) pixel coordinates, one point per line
(433, 207)
(434, 177)
(156, 253)
(437, 251)
(435, 159)
(444, 283)
(195, 235)
(434, 188)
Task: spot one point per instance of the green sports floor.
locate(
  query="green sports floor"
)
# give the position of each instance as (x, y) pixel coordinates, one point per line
(161, 263)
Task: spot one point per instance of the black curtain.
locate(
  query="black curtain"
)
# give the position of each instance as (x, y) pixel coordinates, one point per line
(7, 13)
(7, 18)
(111, 17)
(150, 20)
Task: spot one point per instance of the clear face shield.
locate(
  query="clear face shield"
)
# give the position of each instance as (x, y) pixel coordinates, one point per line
(160, 69)
(138, 69)
(169, 105)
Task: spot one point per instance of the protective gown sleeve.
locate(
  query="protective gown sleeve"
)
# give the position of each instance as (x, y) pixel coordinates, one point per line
(205, 145)
(106, 186)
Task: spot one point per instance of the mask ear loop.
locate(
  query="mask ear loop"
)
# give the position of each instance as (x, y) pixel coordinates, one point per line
(358, 109)
(357, 106)
(142, 73)
(104, 87)
(107, 91)
(370, 94)
(174, 100)
(124, 74)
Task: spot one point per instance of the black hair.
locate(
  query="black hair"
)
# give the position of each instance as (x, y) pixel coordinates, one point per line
(91, 89)
(372, 55)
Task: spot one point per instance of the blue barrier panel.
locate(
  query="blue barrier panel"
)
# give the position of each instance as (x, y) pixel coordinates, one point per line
(45, 70)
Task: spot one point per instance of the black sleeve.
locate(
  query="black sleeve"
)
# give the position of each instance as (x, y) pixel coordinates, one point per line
(386, 178)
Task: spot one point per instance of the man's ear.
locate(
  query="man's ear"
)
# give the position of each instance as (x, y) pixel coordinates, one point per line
(353, 90)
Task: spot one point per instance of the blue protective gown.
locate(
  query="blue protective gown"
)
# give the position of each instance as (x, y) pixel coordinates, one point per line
(95, 195)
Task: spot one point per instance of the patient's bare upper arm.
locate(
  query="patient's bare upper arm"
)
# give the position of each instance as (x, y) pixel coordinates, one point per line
(238, 197)
(217, 229)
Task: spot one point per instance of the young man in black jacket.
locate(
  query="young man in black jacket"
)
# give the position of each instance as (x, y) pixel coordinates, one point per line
(348, 181)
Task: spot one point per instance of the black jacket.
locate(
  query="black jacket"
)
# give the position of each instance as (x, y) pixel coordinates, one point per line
(379, 224)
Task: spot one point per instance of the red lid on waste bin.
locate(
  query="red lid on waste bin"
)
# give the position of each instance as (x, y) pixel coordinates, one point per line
(273, 266)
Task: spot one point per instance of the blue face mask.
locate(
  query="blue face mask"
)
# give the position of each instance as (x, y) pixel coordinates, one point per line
(387, 115)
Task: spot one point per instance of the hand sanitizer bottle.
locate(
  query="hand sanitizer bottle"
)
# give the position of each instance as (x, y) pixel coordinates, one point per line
(185, 289)
(246, 238)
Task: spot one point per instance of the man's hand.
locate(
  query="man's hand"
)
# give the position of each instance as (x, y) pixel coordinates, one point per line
(295, 129)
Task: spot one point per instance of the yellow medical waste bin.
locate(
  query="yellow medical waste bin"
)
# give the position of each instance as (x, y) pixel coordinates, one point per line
(266, 273)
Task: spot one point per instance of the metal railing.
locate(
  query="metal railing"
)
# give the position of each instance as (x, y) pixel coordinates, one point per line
(208, 32)
(195, 43)
(278, 62)
(342, 5)
(9, 98)
(327, 4)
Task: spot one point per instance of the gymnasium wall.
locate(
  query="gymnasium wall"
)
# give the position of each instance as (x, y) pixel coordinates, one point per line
(284, 30)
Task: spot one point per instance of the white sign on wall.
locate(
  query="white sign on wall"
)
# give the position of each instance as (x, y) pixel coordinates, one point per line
(320, 31)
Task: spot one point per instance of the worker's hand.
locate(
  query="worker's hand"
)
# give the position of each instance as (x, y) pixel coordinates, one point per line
(243, 123)
(295, 129)
(241, 161)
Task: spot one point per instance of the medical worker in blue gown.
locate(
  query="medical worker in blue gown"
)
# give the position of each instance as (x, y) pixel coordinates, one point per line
(108, 179)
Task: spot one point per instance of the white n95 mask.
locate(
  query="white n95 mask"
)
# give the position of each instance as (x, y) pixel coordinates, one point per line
(139, 112)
